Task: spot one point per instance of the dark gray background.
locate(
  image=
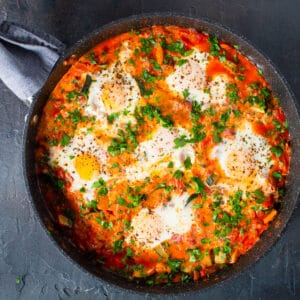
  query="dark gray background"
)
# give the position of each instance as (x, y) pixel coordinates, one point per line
(25, 250)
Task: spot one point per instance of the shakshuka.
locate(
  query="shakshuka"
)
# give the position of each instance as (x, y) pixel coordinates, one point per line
(163, 151)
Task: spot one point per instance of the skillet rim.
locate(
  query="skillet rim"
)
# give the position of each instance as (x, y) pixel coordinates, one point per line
(38, 103)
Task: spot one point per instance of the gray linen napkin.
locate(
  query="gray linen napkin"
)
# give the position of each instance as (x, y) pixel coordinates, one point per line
(26, 58)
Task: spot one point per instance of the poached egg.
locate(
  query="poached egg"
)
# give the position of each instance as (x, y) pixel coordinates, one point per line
(151, 227)
(244, 160)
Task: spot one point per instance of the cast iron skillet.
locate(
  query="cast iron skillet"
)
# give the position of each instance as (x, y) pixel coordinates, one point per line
(278, 85)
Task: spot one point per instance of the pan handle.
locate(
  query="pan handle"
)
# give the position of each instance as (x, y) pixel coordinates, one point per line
(26, 59)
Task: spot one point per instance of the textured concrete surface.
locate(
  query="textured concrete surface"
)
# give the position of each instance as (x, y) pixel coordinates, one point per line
(33, 268)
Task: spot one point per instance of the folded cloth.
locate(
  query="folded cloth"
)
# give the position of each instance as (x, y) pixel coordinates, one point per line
(26, 58)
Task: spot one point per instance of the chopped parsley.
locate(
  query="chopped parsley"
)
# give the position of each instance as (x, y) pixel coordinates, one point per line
(181, 141)
(163, 185)
(112, 117)
(75, 116)
(51, 142)
(70, 214)
(177, 47)
(117, 52)
(205, 240)
(255, 85)
(125, 143)
(241, 77)
(58, 183)
(170, 164)
(178, 174)
(188, 163)
(277, 174)
(71, 95)
(258, 196)
(181, 62)
(93, 204)
(131, 62)
(236, 205)
(144, 91)
(196, 112)
(198, 205)
(214, 45)
(280, 127)
(148, 77)
(277, 151)
(115, 165)
(121, 201)
(101, 185)
(65, 140)
(195, 255)
(147, 44)
(226, 249)
(197, 136)
(197, 132)
(219, 127)
(236, 113)
(198, 185)
(255, 100)
(265, 92)
(262, 99)
(232, 92)
(174, 264)
(135, 199)
(155, 64)
(104, 224)
(129, 252)
(117, 146)
(92, 58)
(152, 112)
(185, 93)
(168, 59)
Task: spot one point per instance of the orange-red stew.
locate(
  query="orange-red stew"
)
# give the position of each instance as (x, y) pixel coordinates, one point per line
(164, 152)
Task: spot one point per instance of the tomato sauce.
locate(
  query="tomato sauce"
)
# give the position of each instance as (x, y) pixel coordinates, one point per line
(227, 218)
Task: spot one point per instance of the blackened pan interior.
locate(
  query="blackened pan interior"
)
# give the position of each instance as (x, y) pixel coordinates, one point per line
(278, 85)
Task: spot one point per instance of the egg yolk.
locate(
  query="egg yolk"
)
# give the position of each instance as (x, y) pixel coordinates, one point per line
(113, 96)
(86, 165)
(240, 164)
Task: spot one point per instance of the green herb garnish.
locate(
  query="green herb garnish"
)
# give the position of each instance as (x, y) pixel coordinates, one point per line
(178, 174)
(188, 163)
(65, 140)
(277, 174)
(86, 86)
(112, 117)
(147, 44)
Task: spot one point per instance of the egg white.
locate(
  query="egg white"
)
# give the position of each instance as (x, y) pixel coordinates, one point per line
(65, 157)
(154, 154)
(217, 89)
(151, 157)
(122, 90)
(113, 90)
(151, 227)
(190, 76)
(244, 160)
